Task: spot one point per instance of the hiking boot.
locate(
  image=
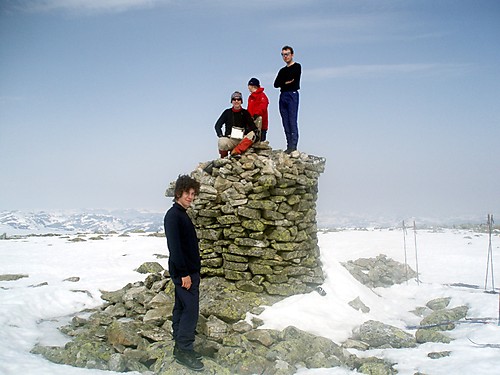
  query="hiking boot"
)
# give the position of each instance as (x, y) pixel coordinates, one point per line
(195, 353)
(188, 359)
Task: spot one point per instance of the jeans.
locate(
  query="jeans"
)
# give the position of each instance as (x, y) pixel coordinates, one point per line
(289, 111)
(185, 312)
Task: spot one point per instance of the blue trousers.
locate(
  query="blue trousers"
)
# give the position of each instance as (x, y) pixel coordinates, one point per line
(289, 111)
(185, 312)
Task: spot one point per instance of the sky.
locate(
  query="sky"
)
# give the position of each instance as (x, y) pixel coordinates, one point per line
(104, 103)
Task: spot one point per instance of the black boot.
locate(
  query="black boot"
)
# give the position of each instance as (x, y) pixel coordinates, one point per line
(196, 354)
(188, 358)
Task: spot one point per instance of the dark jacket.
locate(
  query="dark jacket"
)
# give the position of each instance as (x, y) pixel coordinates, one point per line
(286, 74)
(182, 243)
(230, 118)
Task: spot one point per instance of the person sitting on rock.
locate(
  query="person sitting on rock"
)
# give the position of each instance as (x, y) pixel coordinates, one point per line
(239, 128)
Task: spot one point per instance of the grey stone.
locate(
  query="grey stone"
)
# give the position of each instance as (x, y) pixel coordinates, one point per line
(444, 320)
(150, 267)
(357, 304)
(380, 335)
(439, 303)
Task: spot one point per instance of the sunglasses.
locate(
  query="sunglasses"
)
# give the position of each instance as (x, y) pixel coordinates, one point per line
(234, 99)
(286, 54)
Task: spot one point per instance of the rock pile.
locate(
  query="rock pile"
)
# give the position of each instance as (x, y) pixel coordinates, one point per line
(256, 220)
(132, 332)
(379, 272)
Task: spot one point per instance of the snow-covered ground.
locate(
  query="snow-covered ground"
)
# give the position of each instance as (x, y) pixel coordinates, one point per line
(30, 310)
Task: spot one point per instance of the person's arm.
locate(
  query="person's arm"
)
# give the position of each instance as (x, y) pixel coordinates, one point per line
(172, 231)
(278, 82)
(296, 72)
(218, 125)
(261, 105)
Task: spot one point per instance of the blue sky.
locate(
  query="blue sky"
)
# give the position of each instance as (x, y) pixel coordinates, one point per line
(103, 103)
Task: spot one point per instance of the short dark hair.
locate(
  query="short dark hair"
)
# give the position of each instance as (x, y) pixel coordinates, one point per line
(288, 48)
(185, 183)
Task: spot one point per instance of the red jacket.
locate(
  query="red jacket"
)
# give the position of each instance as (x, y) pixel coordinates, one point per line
(257, 105)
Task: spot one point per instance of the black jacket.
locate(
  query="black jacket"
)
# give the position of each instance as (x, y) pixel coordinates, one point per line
(241, 119)
(182, 243)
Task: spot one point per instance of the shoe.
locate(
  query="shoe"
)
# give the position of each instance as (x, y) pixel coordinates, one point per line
(289, 150)
(188, 359)
(197, 355)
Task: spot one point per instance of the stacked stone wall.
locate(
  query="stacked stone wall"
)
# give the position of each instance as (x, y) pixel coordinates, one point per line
(256, 220)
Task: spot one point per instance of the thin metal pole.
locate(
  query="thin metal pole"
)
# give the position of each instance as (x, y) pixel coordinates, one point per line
(489, 262)
(416, 253)
(404, 243)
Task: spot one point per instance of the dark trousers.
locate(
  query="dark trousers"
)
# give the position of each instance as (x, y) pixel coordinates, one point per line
(289, 111)
(185, 312)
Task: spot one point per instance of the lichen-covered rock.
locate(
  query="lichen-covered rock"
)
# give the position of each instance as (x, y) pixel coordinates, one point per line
(375, 366)
(439, 303)
(429, 335)
(444, 320)
(230, 345)
(257, 206)
(379, 272)
(123, 333)
(379, 335)
(357, 304)
(12, 277)
(150, 267)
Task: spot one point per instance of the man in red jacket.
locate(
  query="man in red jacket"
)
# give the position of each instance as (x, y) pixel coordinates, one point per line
(257, 106)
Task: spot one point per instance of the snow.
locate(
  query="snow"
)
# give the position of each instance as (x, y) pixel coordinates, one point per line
(30, 312)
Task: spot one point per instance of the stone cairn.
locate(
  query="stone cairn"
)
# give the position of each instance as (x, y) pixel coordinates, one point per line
(256, 220)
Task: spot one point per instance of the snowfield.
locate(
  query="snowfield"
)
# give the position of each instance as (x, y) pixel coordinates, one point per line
(32, 307)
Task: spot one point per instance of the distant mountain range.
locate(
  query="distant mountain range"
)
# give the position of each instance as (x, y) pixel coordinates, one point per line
(94, 221)
(131, 220)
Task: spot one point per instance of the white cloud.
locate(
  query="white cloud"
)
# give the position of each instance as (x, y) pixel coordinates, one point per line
(381, 70)
(87, 5)
(124, 5)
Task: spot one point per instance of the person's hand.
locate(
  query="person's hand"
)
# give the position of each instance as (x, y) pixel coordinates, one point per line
(186, 282)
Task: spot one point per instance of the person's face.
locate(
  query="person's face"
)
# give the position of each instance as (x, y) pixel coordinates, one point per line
(187, 198)
(287, 56)
(236, 103)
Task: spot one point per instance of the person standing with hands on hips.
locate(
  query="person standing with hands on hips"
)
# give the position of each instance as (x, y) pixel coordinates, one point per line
(184, 265)
(288, 81)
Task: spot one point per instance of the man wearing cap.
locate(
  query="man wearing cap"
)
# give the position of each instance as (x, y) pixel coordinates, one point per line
(288, 81)
(257, 106)
(239, 128)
